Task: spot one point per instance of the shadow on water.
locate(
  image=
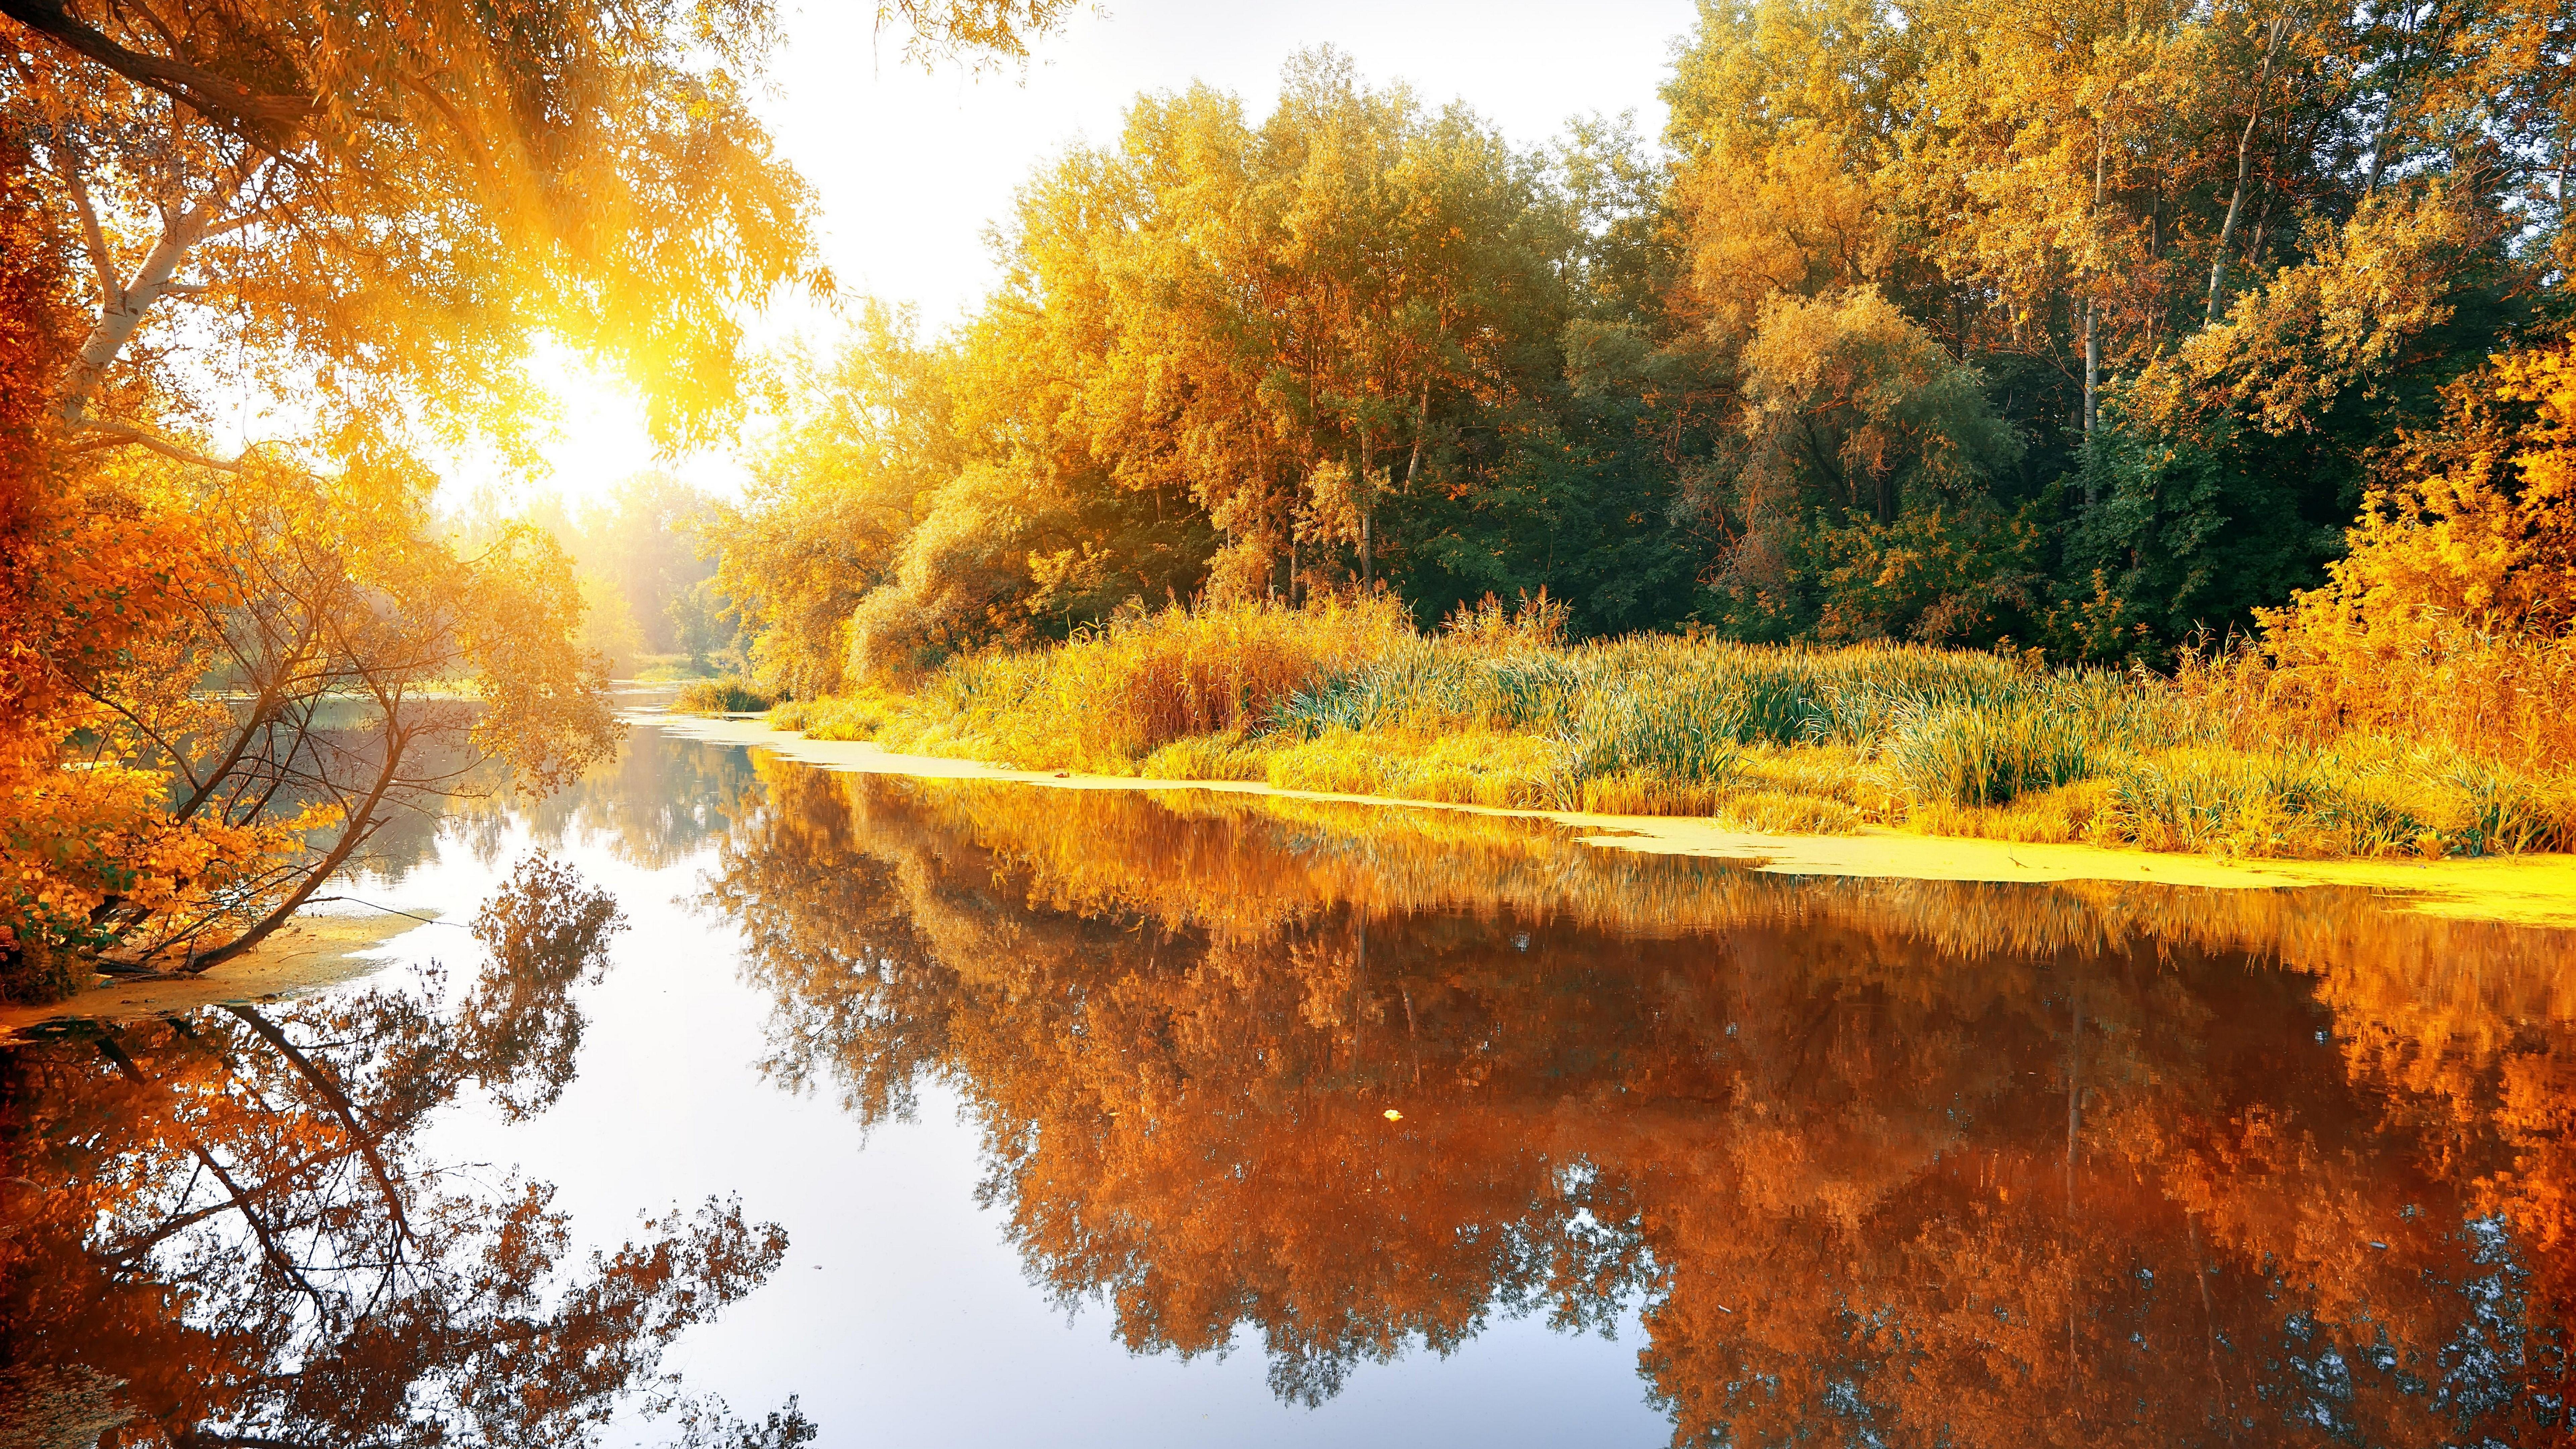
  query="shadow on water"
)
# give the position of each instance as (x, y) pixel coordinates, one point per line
(221, 1230)
(1880, 1162)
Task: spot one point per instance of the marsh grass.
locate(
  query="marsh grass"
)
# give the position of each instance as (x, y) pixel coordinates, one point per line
(1109, 697)
(1988, 756)
(728, 695)
(1497, 709)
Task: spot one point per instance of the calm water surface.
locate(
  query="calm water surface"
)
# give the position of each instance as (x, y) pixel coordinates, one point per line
(976, 1114)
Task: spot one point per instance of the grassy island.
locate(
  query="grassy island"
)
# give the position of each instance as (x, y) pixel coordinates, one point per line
(2232, 754)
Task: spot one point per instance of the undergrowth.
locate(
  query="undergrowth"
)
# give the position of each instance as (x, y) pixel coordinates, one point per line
(1498, 709)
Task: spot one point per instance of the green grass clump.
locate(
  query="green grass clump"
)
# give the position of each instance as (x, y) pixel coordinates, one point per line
(728, 695)
(2370, 798)
(1987, 756)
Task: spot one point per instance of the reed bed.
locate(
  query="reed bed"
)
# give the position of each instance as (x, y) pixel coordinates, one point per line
(1110, 696)
(1498, 709)
(728, 695)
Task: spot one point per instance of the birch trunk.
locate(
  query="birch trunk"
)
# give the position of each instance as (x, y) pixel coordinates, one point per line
(2244, 168)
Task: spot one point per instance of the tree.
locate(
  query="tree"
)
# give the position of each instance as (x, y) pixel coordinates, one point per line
(360, 221)
(303, 696)
(1861, 435)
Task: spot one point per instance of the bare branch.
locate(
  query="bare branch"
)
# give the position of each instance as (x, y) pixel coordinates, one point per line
(120, 435)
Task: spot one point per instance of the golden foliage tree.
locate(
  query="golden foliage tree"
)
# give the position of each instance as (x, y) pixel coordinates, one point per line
(358, 220)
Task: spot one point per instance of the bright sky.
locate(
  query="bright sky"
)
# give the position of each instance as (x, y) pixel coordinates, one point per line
(911, 169)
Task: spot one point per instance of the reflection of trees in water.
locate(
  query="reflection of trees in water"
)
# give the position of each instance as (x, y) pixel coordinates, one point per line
(1932, 1162)
(655, 803)
(221, 1229)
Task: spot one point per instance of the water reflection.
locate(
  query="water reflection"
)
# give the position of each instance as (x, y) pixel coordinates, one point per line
(1877, 1162)
(658, 802)
(222, 1230)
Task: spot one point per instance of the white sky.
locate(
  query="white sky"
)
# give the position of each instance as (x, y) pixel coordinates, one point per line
(911, 169)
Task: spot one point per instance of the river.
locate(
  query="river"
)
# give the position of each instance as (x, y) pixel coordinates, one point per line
(976, 1113)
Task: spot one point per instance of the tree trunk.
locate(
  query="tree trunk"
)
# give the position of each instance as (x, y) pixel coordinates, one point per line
(122, 310)
(2244, 167)
(2092, 319)
(2397, 69)
(1421, 425)
(1365, 499)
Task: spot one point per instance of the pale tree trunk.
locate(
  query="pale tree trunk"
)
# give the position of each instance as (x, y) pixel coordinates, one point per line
(121, 308)
(2092, 307)
(2244, 167)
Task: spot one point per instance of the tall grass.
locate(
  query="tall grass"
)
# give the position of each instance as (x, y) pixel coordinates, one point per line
(1110, 696)
(728, 695)
(2509, 700)
(1497, 709)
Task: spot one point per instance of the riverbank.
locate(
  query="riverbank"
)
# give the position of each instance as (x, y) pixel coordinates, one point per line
(2528, 890)
(311, 952)
(2230, 758)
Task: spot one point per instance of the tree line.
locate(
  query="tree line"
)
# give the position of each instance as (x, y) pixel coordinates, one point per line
(2087, 328)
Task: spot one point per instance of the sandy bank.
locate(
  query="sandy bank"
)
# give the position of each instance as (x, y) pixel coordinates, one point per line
(2532, 890)
(309, 953)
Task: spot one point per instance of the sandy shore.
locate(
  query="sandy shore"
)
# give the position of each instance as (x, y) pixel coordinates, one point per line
(2532, 890)
(309, 953)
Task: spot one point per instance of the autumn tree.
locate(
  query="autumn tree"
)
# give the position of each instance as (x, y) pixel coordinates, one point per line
(359, 223)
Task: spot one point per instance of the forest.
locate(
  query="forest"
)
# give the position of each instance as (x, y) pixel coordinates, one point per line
(2088, 329)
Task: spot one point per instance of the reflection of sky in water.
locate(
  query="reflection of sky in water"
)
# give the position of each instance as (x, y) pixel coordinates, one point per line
(1913, 1156)
(902, 1315)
